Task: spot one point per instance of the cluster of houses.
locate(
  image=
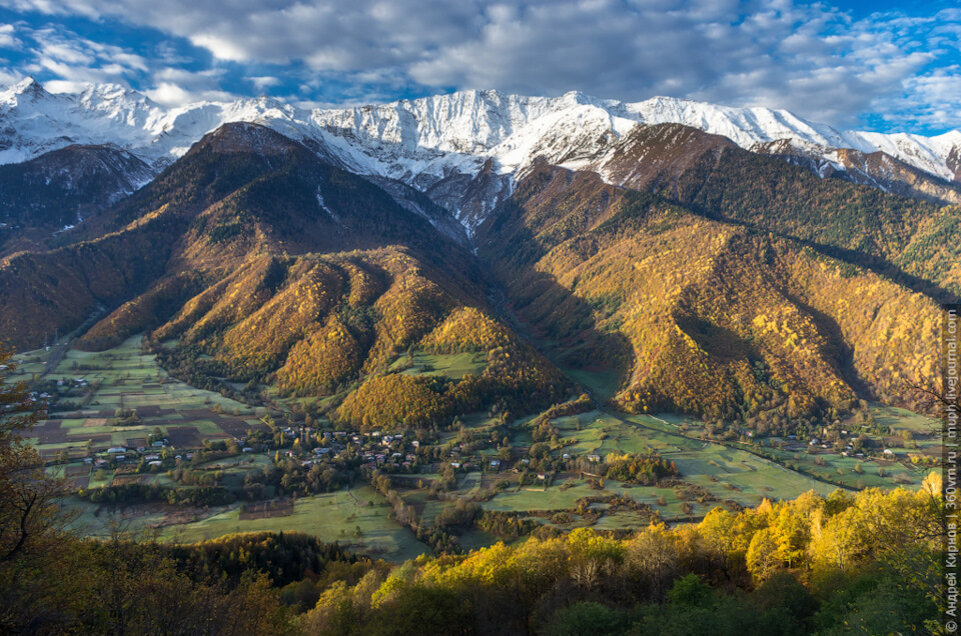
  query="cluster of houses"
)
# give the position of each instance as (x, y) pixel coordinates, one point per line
(375, 448)
(42, 396)
(151, 454)
(75, 382)
(848, 450)
(384, 451)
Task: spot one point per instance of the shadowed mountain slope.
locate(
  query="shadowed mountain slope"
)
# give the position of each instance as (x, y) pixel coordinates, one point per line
(61, 188)
(711, 176)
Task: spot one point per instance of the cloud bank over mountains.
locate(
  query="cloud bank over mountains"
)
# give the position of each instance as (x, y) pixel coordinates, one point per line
(885, 71)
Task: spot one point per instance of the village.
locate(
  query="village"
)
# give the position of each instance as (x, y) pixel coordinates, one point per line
(129, 440)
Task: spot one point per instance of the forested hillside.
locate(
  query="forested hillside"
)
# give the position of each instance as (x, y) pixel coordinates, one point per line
(279, 269)
(715, 178)
(707, 317)
(57, 190)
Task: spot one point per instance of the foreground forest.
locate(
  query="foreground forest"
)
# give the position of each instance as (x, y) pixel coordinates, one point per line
(863, 563)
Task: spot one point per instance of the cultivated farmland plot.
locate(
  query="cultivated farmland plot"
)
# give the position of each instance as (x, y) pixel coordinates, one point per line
(123, 380)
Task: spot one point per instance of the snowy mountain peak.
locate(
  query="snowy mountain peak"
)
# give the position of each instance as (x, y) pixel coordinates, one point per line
(26, 89)
(28, 85)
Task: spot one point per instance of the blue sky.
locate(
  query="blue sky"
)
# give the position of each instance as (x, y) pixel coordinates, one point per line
(880, 65)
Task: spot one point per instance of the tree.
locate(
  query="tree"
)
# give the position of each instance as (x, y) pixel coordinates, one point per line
(653, 555)
(762, 555)
(29, 531)
(26, 494)
(689, 591)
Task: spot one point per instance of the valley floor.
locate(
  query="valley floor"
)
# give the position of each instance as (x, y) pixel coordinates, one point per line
(117, 419)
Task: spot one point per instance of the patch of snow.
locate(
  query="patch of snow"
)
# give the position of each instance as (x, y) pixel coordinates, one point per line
(323, 206)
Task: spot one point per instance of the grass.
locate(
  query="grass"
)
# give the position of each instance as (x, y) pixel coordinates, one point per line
(121, 374)
(726, 473)
(841, 469)
(95, 521)
(29, 363)
(330, 517)
(602, 384)
(454, 365)
(475, 539)
(554, 498)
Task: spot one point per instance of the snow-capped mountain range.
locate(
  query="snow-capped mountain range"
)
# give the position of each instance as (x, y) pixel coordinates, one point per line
(425, 140)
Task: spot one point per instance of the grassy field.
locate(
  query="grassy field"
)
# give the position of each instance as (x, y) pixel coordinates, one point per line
(125, 378)
(454, 365)
(602, 384)
(536, 498)
(330, 517)
(723, 472)
(911, 435)
(717, 474)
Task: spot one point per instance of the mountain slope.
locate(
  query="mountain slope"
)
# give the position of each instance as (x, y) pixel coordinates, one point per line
(700, 271)
(703, 316)
(60, 188)
(875, 169)
(257, 261)
(712, 176)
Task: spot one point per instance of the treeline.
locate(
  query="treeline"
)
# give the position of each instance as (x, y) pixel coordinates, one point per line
(144, 493)
(438, 537)
(513, 381)
(515, 378)
(506, 525)
(285, 557)
(186, 363)
(290, 477)
(867, 563)
(231, 585)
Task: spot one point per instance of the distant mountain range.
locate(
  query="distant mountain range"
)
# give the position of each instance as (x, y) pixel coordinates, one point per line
(743, 265)
(426, 141)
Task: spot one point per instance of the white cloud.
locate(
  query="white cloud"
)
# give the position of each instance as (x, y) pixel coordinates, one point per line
(65, 86)
(175, 87)
(8, 77)
(8, 39)
(169, 94)
(222, 48)
(77, 59)
(929, 100)
(263, 81)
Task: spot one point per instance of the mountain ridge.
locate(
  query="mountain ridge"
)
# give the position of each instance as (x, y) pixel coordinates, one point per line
(424, 141)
